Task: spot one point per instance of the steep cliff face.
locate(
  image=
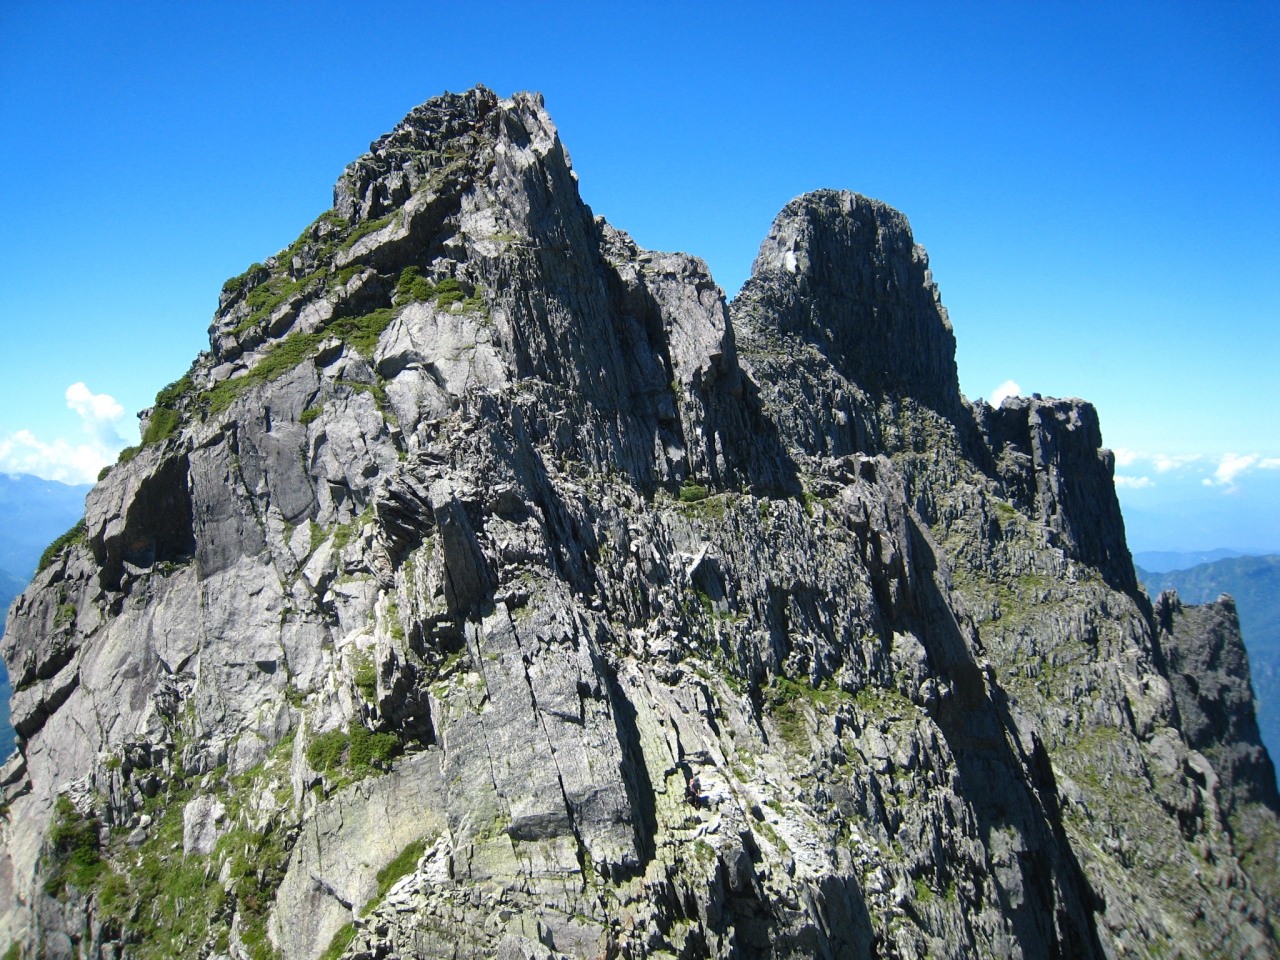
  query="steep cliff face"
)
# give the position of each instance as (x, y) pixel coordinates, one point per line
(1209, 671)
(1254, 585)
(493, 586)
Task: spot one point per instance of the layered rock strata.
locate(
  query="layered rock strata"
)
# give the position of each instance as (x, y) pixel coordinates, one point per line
(492, 586)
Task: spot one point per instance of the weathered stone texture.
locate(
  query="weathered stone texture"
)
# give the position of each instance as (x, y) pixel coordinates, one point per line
(484, 532)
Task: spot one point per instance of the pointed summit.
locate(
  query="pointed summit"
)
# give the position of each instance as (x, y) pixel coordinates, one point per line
(843, 272)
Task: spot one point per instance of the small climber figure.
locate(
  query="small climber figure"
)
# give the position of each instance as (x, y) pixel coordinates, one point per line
(693, 792)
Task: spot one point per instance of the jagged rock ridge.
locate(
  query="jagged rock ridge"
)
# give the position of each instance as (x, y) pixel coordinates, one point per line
(480, 532)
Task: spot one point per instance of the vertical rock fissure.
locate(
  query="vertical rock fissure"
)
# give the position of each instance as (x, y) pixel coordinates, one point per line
(582, 852)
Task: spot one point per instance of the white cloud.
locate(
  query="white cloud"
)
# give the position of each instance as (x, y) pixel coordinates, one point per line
(1163, 462)
(1006, 389)
(23, 452)
(1212, 470)
(1166, 462)
(1231, 466)
(1223, 471)
(100, 413)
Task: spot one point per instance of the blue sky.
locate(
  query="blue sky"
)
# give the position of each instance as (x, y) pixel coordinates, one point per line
(1096, 185)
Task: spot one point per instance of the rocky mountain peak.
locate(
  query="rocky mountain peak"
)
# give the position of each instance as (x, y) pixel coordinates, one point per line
(842, 271)
(476, 197)
(447, 129)
(493, 588)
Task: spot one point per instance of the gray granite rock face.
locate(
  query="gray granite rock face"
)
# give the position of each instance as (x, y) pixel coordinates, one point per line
(841, 271)
(1208, 669)
(502, 590)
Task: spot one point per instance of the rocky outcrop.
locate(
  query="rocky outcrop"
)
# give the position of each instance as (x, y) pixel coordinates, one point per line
(1208, 669)
(842, 272)
(1050, 459)
(493, 586)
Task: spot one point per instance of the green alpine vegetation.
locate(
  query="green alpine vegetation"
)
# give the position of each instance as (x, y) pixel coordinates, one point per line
(366, 677)
(412, 287)
(162, 424)
(692, 493)
(366, 228)
(264, 299)
(341, 940)
(362, 333)
(352, 754)
(162, 902)
(75, 856)
(238, 282)
(75, 535)
(405, 863)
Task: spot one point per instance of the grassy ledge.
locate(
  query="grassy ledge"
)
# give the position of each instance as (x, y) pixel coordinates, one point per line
(75, 535)
(362, 333)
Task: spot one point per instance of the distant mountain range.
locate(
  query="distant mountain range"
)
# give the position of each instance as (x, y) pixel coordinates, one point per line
(1167, 561)
(32, 513)
(1254, 582)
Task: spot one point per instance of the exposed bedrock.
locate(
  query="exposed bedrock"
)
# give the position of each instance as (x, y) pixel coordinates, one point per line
(1209, 672)
(493, 587)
